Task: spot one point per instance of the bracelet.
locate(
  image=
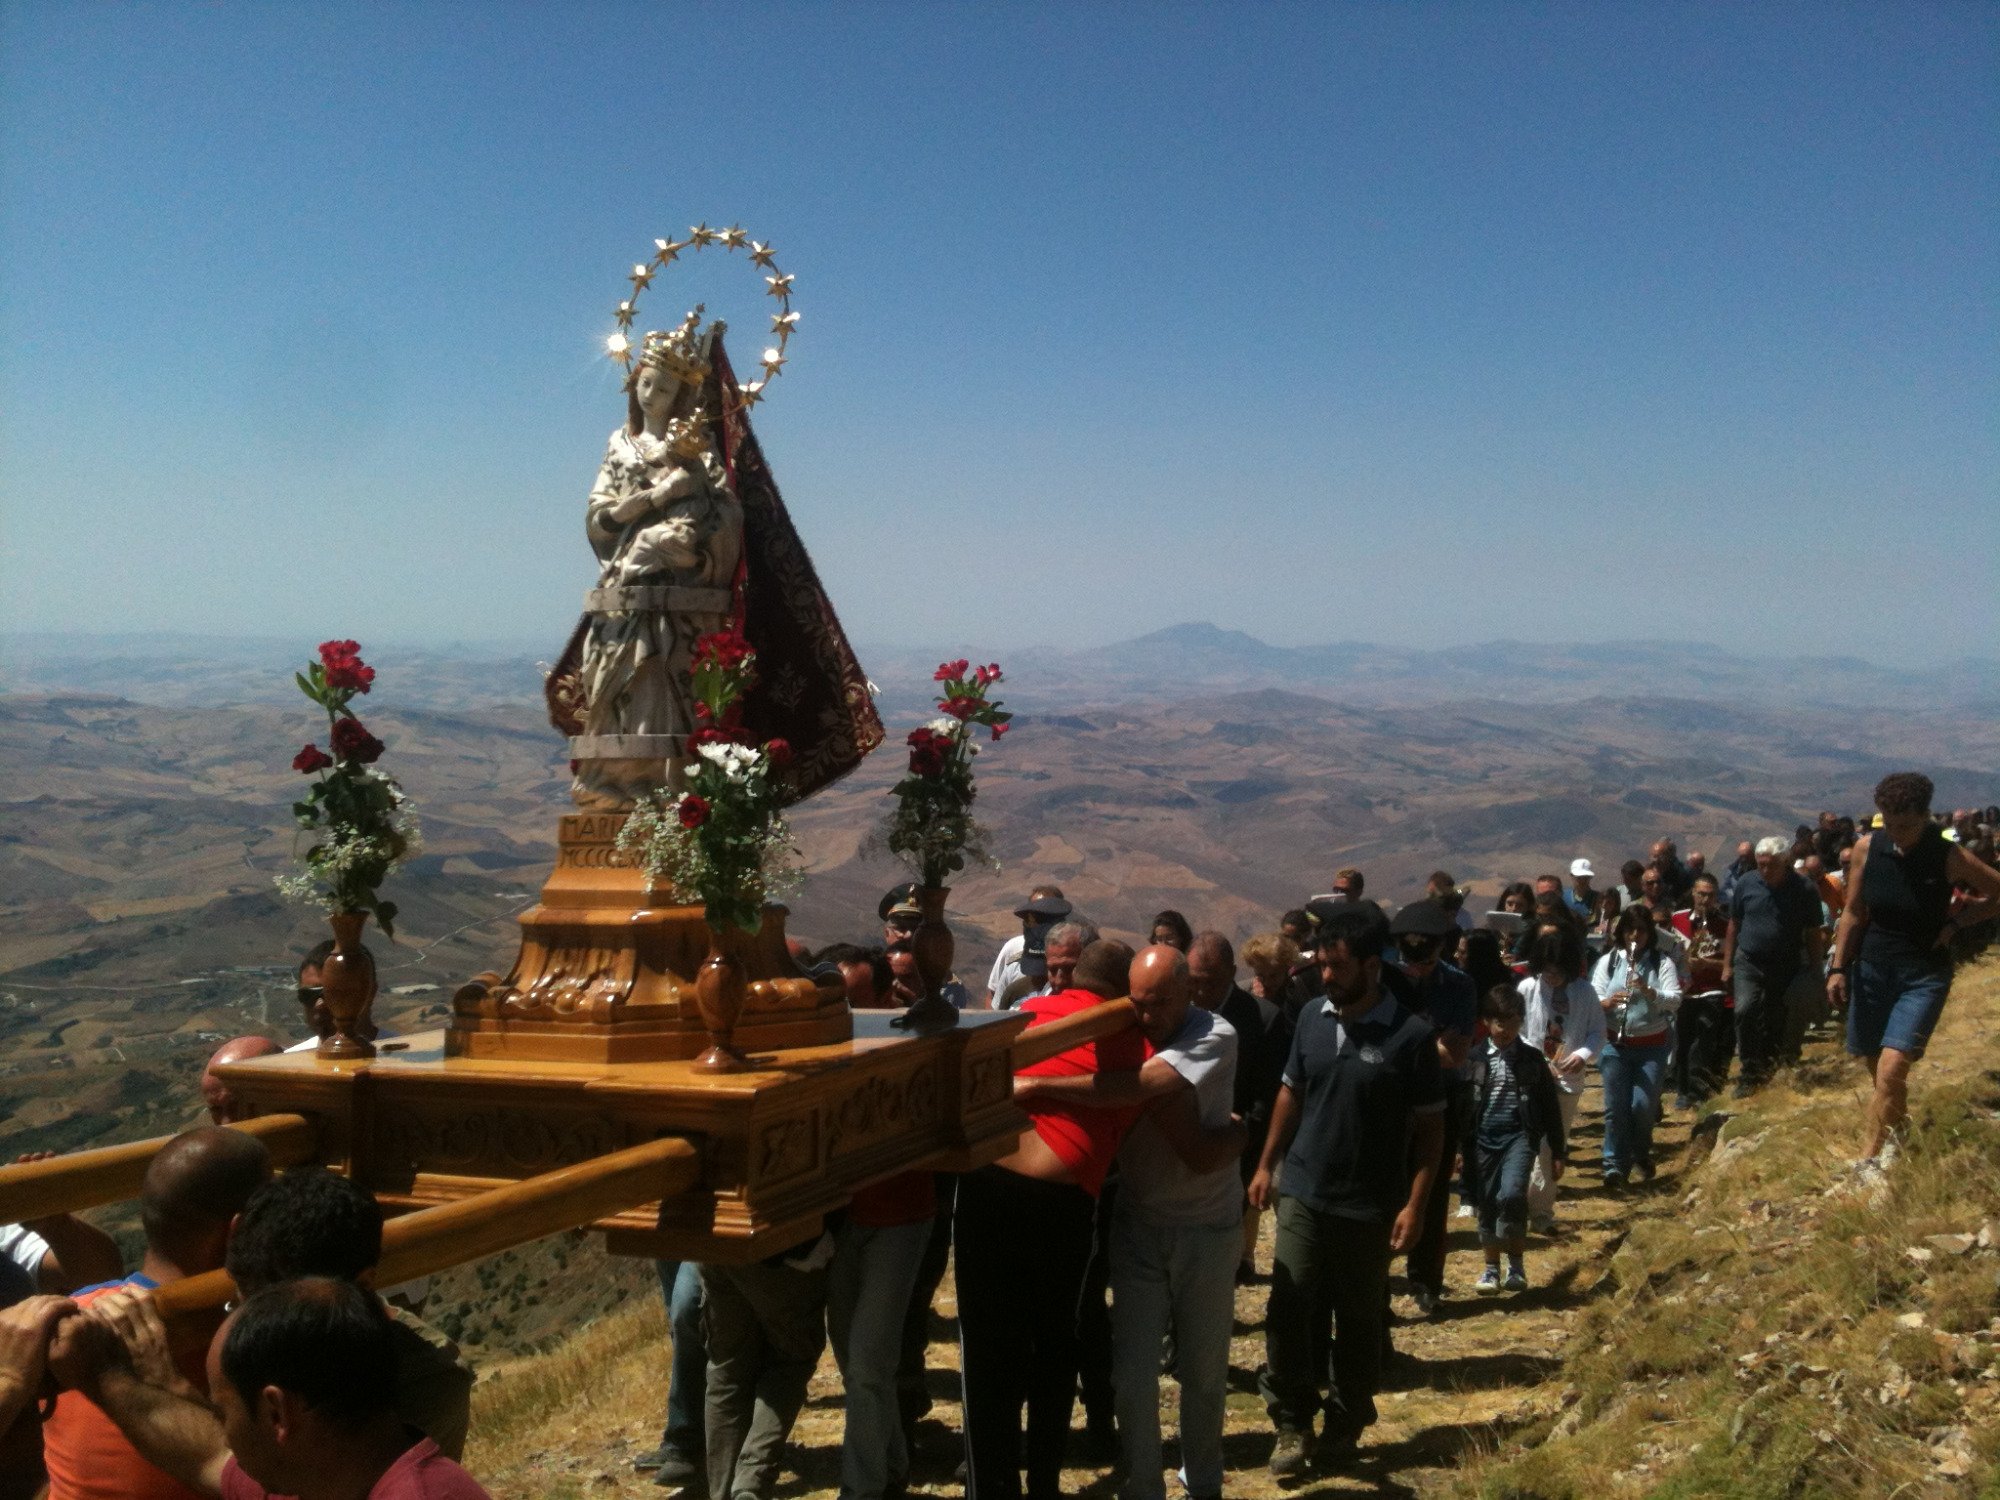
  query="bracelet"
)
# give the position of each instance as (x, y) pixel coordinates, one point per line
(1841, 971)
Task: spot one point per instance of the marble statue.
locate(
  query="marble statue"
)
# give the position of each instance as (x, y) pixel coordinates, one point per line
(668, 534)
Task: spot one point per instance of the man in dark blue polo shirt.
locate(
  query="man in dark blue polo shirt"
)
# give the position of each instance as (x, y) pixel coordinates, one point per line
(1774, 925)
(1359, 1128)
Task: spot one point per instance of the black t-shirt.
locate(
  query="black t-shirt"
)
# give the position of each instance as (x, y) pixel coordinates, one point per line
(1359, 1090)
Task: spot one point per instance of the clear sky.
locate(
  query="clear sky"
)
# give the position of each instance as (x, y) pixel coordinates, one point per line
(1413, 323)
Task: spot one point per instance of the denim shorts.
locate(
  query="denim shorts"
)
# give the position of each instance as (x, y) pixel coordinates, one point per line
(1895, 1003)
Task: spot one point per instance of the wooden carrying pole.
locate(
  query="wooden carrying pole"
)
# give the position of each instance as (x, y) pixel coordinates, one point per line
(111, 1174)
(435, 1239)
(1040, 1043)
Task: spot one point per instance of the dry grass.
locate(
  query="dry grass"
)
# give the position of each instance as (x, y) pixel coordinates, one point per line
(1734, 1331)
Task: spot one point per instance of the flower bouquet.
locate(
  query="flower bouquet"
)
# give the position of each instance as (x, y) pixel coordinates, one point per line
(723, 841)
(362, 829)
(932, 829)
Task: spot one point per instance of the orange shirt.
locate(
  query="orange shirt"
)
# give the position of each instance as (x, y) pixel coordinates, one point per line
(88, 1457)
(1084, 1140)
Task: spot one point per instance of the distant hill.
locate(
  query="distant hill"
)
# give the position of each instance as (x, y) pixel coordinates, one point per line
(195, 671)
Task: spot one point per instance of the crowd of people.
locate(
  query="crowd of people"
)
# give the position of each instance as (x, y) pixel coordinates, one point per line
(1372, 1064)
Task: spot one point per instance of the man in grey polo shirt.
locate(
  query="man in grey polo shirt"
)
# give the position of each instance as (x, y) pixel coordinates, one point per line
(1774, 926)
(1176, 1232)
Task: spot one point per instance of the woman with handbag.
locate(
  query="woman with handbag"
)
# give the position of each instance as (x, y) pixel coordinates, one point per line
(1640, 989)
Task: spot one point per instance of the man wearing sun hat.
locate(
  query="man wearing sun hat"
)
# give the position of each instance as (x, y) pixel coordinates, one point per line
(1044, 908)
(1581, 897)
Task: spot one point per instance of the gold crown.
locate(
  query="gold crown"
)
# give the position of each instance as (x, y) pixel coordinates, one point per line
(678, 352)
(688, 436)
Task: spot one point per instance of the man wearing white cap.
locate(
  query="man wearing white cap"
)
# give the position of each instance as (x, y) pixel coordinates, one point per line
(1580, 897)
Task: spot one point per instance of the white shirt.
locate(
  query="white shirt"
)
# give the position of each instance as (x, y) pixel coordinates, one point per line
(1154, 1184)
(1006, 966)
(1582, 1022)
(23, 1247)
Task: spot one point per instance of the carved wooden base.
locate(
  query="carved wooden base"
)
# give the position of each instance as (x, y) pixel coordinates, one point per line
(782, 1144)
(605, 975)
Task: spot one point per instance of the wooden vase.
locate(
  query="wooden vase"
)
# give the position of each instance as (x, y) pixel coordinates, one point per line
(348, 980)
(935, 949)
(720, 988)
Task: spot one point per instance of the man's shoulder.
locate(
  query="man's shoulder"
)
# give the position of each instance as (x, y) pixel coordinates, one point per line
(423, 1473)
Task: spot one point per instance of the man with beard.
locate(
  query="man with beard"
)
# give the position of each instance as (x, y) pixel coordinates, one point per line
(1363, 1098)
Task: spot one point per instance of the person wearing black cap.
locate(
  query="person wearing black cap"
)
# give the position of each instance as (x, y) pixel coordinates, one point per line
(1359, 1130)
(901, 917)
(1044, 908)
(1445, 996)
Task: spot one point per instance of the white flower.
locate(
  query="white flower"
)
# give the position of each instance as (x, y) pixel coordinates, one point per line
(734, 761)
(946, 725)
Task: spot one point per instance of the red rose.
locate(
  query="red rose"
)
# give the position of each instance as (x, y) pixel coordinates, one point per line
(706, 736)
(926, 762)
(693, 811)
(351, 741)
(349, 673)
(701, 712)
(331, 652)
(723, 648)
(780, 752)
(311, 759)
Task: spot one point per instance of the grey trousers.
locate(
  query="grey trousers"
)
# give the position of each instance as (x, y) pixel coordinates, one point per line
(766, 1327)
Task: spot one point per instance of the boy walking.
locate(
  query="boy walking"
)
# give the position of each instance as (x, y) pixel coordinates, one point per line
(1515, 1111)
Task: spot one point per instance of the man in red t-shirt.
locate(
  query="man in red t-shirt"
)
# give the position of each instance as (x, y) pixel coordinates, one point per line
(304, 1376)
(1022, 1233)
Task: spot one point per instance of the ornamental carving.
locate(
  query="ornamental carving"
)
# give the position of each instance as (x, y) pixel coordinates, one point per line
(787, 1148)
(988, 1080)
(494, 1143)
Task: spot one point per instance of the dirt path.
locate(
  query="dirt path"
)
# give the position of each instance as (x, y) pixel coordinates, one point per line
(1480, 1369)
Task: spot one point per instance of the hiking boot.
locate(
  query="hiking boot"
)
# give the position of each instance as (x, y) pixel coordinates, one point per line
(1292, 1454)
(1488, 1284)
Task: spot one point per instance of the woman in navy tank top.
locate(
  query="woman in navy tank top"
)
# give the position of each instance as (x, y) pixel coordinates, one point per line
(1892, 950)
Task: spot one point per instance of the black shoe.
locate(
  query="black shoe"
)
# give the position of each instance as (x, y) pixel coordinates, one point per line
(1685, 1105)
(1614, 1180)
(669, 1466)
(1643, 1169)
(1246, 1273)
(1743, 1090)
(1337, 1450)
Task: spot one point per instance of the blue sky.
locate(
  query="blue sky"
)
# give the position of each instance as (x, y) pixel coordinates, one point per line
(1421, 324)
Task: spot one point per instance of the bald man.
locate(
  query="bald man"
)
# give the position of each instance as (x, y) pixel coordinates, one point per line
(222, 1106)
(1176, 1226)
(191, 1194)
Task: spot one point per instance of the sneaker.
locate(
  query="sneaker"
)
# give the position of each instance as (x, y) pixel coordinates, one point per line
(1425, 1299)
(1684, 1104)
(1891, 1149)
(1291, 1454)
(1488, 1284)
(670, 1466)
(1517, 1281)
(1466, 1211)
(1614, 1180)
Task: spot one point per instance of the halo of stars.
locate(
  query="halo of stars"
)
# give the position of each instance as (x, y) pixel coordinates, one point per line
(621, 347)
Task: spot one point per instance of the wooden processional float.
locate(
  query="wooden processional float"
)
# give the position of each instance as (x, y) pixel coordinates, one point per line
(568, 1092)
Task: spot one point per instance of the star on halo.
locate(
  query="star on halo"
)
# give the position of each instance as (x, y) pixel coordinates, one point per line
(780, 286)
(732, 237)
(751, 393)
(625, 312)
(784, 323)
(773, 361)
(701, 236)
(760, 255)
(666, 252)
(641, 278)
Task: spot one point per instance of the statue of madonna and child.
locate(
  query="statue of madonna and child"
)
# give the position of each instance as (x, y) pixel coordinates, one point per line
(690, 538)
